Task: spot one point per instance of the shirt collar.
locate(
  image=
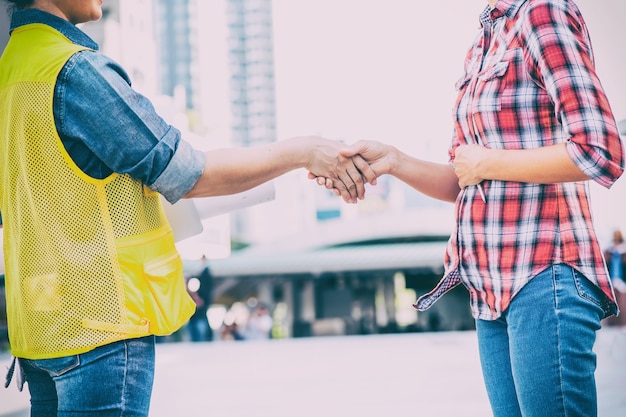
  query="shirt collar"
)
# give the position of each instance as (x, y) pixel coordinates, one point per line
(508, 8)
(69, 30)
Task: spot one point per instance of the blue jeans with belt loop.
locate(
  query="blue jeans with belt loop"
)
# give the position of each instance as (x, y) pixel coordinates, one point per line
(114, 380)
(537, 359)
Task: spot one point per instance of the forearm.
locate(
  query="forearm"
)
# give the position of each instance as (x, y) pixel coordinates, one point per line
(435, 180)
(545, 165)
(233, 170)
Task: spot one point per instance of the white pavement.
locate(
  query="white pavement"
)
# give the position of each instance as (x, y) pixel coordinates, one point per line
(422, 374)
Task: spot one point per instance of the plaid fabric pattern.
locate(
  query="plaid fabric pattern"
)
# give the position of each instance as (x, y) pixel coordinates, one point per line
(529, 82)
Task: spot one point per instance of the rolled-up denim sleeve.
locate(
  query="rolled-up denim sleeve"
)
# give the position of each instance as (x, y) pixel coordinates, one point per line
(106, 126)
(184, 169)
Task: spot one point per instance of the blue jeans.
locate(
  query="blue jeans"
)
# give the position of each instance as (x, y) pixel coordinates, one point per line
(537, 359)
(111, 380)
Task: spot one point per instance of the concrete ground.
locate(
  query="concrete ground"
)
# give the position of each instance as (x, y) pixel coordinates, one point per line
(426, 374)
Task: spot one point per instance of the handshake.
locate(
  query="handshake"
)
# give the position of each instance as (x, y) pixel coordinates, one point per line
(345, 169)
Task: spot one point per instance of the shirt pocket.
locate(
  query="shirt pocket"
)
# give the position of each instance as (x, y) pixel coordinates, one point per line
(503, 84)
(490, 86)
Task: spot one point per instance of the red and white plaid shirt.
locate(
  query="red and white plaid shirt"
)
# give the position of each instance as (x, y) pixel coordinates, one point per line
(529, 82)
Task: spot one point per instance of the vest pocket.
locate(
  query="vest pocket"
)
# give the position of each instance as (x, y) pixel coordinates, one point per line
(154, 286)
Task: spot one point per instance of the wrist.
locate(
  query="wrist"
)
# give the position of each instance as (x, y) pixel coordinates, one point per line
(397, 160)
(487, 165)
(299, 151)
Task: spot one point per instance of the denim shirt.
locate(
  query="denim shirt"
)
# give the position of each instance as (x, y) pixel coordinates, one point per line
(107, 127)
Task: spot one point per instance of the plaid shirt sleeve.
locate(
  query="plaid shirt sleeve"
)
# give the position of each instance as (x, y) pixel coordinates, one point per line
(560, 58)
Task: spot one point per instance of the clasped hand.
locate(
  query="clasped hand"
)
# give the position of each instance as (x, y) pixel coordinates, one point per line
(364, 161)
(466, 164)
(345, 175)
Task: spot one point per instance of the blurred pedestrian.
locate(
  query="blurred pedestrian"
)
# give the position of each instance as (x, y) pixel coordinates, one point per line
(259, 325)
(92, 271)
(230, 332)
(532, 126)
(616, 258)
(200, 288)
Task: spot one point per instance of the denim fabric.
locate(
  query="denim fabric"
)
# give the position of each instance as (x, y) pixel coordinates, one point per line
(107, 127)
(110, 381)
(538, 358)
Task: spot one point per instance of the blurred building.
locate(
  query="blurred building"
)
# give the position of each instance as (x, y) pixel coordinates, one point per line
(251, 56)
(174, 29)
(252, 100)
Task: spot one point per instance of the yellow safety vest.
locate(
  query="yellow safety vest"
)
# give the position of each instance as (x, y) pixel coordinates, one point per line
(87, 261)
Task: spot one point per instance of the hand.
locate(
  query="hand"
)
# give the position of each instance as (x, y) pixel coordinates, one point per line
(326, 182)
(376, 155)
(379, 156)
(467, 159)
(346, 176)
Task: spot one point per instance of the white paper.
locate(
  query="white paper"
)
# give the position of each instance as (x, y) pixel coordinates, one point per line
(183, 217)
(186, 215)
(213, 206)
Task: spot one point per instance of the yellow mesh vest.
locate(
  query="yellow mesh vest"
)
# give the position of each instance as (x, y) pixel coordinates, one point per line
(87, 261)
